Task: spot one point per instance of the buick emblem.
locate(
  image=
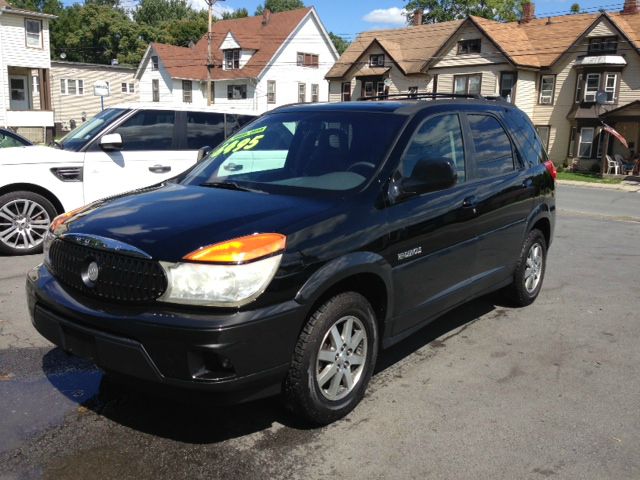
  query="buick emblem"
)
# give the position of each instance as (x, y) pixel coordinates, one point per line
(90, 275)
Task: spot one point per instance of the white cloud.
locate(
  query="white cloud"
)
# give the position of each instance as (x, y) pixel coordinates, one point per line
(218, 8)
(386, 16)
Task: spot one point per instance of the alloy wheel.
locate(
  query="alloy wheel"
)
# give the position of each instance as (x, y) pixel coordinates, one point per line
(533, 269)
(341, 358)
(23, 224)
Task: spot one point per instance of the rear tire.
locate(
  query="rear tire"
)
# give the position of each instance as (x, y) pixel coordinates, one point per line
(333, 360)
(529, 273)
(25, 217)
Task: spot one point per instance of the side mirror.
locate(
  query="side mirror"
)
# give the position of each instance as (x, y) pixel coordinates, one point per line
(203, 152)
(429, 175)
(111, 142)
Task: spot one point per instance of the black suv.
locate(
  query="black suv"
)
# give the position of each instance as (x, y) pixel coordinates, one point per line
(302, 245)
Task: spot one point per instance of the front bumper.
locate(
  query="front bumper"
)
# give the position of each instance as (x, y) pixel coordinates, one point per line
(241, 354)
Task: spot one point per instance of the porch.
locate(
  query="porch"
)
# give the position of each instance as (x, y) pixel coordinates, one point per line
(29, 110)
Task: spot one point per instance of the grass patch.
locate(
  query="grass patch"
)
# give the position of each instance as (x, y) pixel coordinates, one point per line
(587, 177)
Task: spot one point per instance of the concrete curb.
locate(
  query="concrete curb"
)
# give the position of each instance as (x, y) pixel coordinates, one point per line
(635, 187)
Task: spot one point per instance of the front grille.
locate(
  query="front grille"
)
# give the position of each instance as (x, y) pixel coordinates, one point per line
(121, 277)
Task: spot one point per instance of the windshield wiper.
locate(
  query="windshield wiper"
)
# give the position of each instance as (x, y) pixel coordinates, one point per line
(231, 186)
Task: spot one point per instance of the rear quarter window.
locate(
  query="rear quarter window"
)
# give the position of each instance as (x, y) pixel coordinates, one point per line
(493, 149)
(529, 143)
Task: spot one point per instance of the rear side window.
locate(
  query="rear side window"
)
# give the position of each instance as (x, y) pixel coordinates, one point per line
(148, 130)
(531, 146)
(204, 129)
(437, 137)
(494, 155)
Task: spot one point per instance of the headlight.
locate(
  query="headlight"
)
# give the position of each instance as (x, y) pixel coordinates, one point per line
(228, 274)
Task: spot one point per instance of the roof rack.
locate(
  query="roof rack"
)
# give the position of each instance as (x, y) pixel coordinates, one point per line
(431, 96)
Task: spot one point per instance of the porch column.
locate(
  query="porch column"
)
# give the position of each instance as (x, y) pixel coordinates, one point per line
(45, 89)
(605, 151)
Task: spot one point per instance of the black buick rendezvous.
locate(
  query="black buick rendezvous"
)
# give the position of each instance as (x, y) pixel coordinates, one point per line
(293, 252)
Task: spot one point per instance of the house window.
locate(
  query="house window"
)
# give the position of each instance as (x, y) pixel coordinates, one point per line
(572, 142)
(36, 84)
(302, 92)
(127, 88)
(123, 87)
(600, 45)
(70, 86)
(380, 89)
(547, 89)
(507, 86)
(543, 133)
(585, 145)
(346, 91)
(132, 88)
(611, 80)
(236, 92)
(579, 85)
(368, 89)
(376, 60)
(413, 92)
(33, 33)
(591, 87)
(315, 93)
(469, 46)
(155, 90)
(187, 91)
(154, 62)
(232, 59)
(271, 91)
(467, 84)
(307, 60)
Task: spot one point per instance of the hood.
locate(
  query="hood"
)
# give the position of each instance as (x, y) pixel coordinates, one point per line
(37, 154)
(172, 220)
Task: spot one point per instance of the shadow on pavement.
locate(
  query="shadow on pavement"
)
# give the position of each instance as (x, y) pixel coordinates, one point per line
(192, 416)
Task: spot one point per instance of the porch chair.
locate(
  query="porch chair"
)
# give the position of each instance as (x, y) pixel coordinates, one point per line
(612, 165)
(625, 167)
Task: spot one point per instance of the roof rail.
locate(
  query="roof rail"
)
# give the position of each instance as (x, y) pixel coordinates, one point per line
(417, 96)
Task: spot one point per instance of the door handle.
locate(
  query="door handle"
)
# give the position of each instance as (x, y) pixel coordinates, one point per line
(232, 167)
(527, 183)
(160, 169)
(469, 207)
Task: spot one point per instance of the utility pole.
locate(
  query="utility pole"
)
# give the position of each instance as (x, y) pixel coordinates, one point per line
(211, 3)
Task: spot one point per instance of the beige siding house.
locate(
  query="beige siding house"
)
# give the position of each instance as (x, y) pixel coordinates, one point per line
(25, 98)
(571, 74)
(73, 85)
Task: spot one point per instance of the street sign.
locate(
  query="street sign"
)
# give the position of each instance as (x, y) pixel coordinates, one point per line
(101, 89)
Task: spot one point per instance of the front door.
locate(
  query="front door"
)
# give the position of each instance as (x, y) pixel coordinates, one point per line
(432, 240)
(149, 155)
(19, 86)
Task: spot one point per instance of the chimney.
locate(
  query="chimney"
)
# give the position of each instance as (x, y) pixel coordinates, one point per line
(266, 15)
(630, 6)
(528, 12)
(417, 17)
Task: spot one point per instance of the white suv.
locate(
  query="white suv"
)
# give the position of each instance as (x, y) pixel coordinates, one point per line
(120, 149)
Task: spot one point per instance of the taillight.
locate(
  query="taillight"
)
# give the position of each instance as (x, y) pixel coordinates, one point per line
(551, 168)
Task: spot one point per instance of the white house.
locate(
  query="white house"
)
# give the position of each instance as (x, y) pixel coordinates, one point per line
(25, 86)
(258, 63)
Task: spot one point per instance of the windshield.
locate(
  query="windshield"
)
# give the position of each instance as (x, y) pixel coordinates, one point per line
(78, 137)
(286, 152)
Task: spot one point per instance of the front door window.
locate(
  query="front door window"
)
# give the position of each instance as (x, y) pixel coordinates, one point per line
(19, 93)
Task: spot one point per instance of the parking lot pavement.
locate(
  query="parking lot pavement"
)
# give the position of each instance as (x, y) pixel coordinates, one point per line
(548, 391)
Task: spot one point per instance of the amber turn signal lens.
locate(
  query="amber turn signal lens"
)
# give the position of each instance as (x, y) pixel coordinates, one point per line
(242, 249)
(62, 218)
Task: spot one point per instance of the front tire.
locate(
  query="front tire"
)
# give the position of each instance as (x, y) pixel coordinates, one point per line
(24, 219)
(529, 273)
(333, 360)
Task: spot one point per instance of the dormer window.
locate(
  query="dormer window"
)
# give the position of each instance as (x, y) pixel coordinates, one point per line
(603, 45)
(232, 59)
(376, 60)
(469, 46)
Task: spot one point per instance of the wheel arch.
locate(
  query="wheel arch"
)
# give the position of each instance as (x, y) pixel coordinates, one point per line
(540, 218)
(363, 272)
(30, 187)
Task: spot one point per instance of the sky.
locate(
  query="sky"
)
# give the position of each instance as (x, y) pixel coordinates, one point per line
(349, 17)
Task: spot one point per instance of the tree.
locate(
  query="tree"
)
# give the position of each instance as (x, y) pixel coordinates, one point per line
(575, 8)
(53, 7)
(340, 43)
(279, 6)
(155, 12)
(444, 10)
(239, 13)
